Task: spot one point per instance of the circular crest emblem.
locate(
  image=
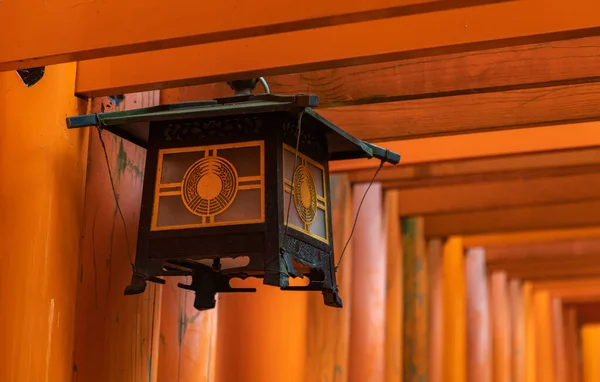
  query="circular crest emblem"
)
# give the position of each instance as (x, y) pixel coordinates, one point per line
(305, 195)
(209, 186)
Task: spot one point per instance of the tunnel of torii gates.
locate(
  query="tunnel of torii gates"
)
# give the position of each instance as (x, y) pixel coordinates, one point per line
(476, 259)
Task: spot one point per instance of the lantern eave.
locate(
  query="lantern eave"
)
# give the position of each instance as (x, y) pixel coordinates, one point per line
(132, 125)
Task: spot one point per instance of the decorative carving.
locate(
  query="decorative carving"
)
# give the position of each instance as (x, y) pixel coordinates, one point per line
(305, 195)
(202, 129)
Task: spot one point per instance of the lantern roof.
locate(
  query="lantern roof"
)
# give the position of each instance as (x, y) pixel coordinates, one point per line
(131, 124)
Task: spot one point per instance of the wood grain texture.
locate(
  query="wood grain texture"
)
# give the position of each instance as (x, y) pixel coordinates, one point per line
(499, 194)
(478, 336)
(329, 329)
(518, 166)
(557, 216)
(556, 63)
(416, 301)
(117, 336)
(394, 291)
(187, 337)
(366, 360)
(469, 113)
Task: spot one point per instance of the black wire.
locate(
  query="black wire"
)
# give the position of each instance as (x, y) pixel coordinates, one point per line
(357, 213)
(114, 190)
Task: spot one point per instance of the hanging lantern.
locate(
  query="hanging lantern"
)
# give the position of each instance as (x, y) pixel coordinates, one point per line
(236, 187)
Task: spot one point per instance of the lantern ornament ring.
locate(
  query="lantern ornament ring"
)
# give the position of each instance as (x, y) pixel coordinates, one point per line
(209, 186)
(305, 195)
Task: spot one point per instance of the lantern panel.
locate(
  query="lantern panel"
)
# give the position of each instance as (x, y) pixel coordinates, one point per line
(308, 213)
(206, 186)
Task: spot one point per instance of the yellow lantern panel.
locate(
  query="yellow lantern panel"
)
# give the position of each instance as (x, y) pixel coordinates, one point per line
(207, 186)
(308, 208)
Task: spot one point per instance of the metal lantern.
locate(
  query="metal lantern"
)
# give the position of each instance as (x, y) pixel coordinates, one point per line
(236, 187)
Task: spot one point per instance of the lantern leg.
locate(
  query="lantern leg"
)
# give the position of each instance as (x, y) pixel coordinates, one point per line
(207, 283)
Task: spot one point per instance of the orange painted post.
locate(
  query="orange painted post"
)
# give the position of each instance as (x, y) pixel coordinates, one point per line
(261, 336)
(479, 340)
(416, 301)
(544, 340)
(572, 344)
(558, 333)
(455, 321)
(435, 260)
(394, 306)
(328, 329)
(116, 335)
(517, 323)
(367, 326)
(501, 330)
(530, 334)
(42, 167)
(590, 338)
(187, 337)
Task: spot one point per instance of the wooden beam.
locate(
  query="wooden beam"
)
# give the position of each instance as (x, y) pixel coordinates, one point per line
(151, 25)
(497, 195)
(478, 72)
(580, 290)
(558, 216)
(531, 237)
(476, 145)
(555, 249)
(587, 313)
(469, 113)
(486, 169)
(459, 30)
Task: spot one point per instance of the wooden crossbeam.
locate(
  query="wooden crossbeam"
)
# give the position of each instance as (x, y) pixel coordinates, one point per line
(499, 195)
(580, 290)
(587, 313)
(485, 169)
(46, 35)
(458, 30)
(541, 261)
(531, 237)
(547, 217)
(494, 143)
(487, 71)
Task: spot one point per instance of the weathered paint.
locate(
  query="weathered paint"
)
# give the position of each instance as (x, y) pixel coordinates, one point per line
(416, 301)
(116, 335)
(479, 352)
(394, 286)
(41, 206)
(328, 330)
(455, 322)
(367, 326)
(187, 337)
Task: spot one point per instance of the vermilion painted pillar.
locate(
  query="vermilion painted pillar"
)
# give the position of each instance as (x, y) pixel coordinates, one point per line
(544, 339)
(572, 344)
(328, 329)
(530, 333)
(416, 301)
(590, 339)
(558, 332)
(261, 336)
(42, 179)
(517, 323)
(394, 301)
(437, 342)
(116, 335)
(479, 340)
(501, 329)
(367, 326)
(455, 324)
(187, 337)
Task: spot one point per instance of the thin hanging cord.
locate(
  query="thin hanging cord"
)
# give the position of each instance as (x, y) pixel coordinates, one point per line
(114, 190)
(357, 213)
(287, 218)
